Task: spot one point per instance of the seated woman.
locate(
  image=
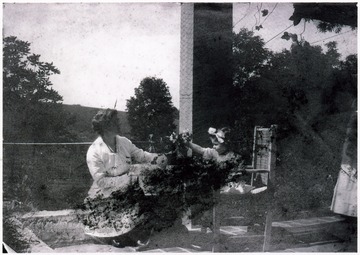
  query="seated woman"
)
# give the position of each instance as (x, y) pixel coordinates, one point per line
(110, 160)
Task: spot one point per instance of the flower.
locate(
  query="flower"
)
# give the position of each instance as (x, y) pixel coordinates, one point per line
(186, 136)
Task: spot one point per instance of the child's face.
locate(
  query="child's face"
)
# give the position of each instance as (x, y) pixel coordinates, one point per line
(221, 148)
(214, 141)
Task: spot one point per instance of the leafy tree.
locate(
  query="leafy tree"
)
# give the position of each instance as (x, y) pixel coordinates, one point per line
(32, 108)
(308, 82)
(250, 60)
(151, 110)
(249, 56)
(306, 91)
(344, 81)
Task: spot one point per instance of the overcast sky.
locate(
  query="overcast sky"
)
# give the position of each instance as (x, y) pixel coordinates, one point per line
(104, 50)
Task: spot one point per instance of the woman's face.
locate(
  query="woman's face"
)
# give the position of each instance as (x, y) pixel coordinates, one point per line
(114, 125)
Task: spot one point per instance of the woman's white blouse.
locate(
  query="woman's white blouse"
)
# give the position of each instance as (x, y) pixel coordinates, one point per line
(100, 159)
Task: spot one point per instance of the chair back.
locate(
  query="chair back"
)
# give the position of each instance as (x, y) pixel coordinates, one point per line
(264, 154)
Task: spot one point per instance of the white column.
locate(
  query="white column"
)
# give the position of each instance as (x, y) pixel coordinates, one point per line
(186, 67)
(186, 77)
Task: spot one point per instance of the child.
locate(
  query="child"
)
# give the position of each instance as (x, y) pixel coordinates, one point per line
(220, 152)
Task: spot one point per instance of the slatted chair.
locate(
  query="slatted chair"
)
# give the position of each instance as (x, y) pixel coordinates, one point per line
(263, 166)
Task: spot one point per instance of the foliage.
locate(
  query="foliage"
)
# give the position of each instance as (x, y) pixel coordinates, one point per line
(343, 81)
(12, 231)
(290, 81)
(163, 194)
(25, 76)
(329, 27)
(308, 93)
(330, 16)
(151, 111)
(32, 110)
(249, 57)
(179, 147)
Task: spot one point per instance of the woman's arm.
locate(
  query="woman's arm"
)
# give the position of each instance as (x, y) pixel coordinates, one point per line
(98, 172)
(141, 156)
(118, 170)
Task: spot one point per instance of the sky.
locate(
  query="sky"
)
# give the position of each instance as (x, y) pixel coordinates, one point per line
(104, 50)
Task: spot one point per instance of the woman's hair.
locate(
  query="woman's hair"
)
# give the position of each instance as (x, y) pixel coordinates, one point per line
(102, 120)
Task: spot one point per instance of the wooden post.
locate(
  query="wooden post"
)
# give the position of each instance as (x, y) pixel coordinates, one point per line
(216, 222)
(271, 186)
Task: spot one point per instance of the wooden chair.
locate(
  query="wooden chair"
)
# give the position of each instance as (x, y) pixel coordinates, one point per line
(263, 166)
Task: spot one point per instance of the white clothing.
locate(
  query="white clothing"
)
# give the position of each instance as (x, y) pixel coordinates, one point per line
(212, 154)
(100, 160)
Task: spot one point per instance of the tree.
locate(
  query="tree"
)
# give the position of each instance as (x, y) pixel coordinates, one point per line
(25, 76)
(308, 92)
(309, 99)
(249, 56)
(151, 110)
(250, 60)
(343, 82)
(332, 16)
(32, 108)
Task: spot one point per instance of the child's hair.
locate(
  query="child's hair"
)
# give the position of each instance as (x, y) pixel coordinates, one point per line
(227, 137)
(227, 133)
(222, 135)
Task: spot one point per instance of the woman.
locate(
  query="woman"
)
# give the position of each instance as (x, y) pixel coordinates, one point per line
(344, 201)
(110, 160)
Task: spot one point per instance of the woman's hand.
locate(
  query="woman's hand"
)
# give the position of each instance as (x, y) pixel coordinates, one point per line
(135, 169)
(117, 170)
(162, 161)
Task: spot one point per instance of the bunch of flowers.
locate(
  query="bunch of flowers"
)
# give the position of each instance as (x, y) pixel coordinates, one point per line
(179, 143)
(164, 193)
(190, 181)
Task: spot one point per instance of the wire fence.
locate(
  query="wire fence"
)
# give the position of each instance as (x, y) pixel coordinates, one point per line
(48, 176)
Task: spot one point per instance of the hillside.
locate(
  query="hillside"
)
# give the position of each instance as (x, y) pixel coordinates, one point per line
(82, 123)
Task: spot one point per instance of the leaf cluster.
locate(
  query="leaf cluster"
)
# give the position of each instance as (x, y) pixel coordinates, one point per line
(12, 232)
(25, 76)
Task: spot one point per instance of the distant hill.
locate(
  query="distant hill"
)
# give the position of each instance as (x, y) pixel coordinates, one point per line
(82, 121)
(82, 124)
